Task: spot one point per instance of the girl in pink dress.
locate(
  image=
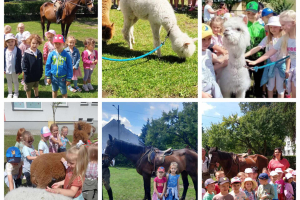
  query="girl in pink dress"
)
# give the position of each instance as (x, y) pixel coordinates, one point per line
(160, 183)
(54, 140)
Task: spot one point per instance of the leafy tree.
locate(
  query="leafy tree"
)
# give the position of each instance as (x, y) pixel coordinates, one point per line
(144, 130)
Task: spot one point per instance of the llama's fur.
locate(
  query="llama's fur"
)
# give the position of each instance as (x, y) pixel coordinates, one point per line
(108, 28)
(158, 13)
(235, 77)
(26, 193)
(82, 131)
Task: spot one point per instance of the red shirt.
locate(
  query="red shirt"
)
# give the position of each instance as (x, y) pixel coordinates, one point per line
(283, 164)
(217, 189)
(160, 184)
(77, 182)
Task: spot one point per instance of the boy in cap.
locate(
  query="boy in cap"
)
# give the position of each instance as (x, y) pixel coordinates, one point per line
(266, 14)
(210, 187)
(218, 174)
(257, 34)
(236, 192)
(274, 176)
(224, 188)
(13, 168)
(59, 69)
(265, 190)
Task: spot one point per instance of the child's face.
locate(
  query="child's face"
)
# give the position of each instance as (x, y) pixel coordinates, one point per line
(251, 16)
(91, 47)
(28, 143)
(251, 175)
(21, 29)
(160, 174)
(54, 131)
(236, 187)
(266, 18)
(242, 177)
(50, 37)
(173, 169)
(47, 138)
(290, 180)
(294, 178)
(279, 175)
(216, 28)
(263, 181)
(64, 132)
(59, 46)
(220, 176)
(210, 188)
(224, 187)
(274, 178)
(275, 30)
(34, 44)
(206, 42)
(11, 43)
(7, 31)
(71, 44)
(71, 163)
(287, 26)
(248, 185)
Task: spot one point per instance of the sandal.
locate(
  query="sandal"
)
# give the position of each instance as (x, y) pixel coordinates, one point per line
(78, 89)
(71, 89)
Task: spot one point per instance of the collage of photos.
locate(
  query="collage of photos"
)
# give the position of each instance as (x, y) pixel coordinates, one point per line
(154, 122)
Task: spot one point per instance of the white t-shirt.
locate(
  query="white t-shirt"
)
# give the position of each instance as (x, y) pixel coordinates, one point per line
(27, 151)
(43, 146)
(204, 165)
(207, 16)
(12, 169)
(208, 72)
(268, 47)
(19, 37)
(291, 49)
(10, 61)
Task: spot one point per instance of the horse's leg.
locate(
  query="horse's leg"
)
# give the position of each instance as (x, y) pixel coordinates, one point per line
(67, 30)
(48, 25)
(185, 181)
(43, 26)
(156, 40)
(147, 186)
(63, 29)
(195, 181)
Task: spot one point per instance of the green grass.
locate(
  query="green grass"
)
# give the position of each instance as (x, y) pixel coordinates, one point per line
(80, 29)
(151, 76)
(126, 183)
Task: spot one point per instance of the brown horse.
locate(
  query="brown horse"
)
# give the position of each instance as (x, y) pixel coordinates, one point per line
(187, 162)
(233, 163)
(68, 14)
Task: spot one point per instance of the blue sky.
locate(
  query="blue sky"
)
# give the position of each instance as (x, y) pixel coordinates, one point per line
(213, 112)
(135, 114)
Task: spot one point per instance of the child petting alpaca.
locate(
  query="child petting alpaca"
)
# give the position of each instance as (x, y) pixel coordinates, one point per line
(159, 184)
(29, 154)
(54, 139)
(288, 188)
(172, 191)
(286, 45)
(43, 144)
(77, 157)
(90, 60)
(64, 139)
(19, 36)
(75, 55)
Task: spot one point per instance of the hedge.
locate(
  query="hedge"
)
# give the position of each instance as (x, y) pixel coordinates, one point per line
(291, 159)
(30, 10)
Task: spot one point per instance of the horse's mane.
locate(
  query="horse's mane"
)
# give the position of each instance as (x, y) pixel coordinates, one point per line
(127, 147)
(222, 154)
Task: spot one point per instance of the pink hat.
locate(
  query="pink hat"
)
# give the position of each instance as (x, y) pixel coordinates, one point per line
(9, 36)
(45, 131)
(235, 180)
(50, 31)
(25, 35)
(59, 39)
(161, 169)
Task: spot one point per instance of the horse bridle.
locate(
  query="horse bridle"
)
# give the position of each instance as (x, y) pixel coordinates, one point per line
(230, 166)
(76, 4)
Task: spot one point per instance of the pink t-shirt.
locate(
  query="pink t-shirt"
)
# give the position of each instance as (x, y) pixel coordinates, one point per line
(217, 40)
(283, 164)
(280, 186)
(48, 47)
(160, 184)
(53, 147)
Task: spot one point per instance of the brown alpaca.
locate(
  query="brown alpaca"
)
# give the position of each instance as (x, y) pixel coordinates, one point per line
(82, 131)
(108, 28)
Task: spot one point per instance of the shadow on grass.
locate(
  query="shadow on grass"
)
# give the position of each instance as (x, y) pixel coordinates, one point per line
(87, 21)
(191, 15)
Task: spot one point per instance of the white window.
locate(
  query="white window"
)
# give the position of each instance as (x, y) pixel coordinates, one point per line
(84, 103)
(27, 105)
(62, 104)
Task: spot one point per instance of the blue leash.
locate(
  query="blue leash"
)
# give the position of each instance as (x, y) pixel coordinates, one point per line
(256, 68)
(142, 56)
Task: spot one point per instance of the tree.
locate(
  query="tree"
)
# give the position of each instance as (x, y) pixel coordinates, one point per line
(54, 107)
(144, 130)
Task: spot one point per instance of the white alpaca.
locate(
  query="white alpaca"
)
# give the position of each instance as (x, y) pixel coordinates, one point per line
(235, 77)
(26, 193)
(159, 13)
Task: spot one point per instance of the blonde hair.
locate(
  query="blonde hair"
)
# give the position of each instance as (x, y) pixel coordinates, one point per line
(5, 43)
(36, 37)
(93, 153)
(20, 25)
(81, 157)
(288, 15)
(26, 136)
(217, 19)
(219, 172)
(270, 36)
(88, 41)
(173, 164)
(240, 174)
(7, 29)
(70, 38)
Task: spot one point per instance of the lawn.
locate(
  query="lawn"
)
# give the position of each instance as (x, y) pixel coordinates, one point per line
(149, 77)
(90, 27)
(126, 183)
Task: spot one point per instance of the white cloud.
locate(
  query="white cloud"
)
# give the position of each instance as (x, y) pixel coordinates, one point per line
(174, 105)
(104, 122)
(123, 120)
(152, 107)
(206, 107)
(218, 114)
(104, 115)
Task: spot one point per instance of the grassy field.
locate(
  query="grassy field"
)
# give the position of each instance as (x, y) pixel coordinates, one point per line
(151, 76)
(126, 183)
(90, 27)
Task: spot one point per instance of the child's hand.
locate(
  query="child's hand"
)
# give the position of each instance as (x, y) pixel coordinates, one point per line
(250, 62)
(206, 95)
(63, 160)
(166, 195)
(96, 61)
(49, 81)
(287, 74)
(74, 68)
(51, 190)
(55, 185)
(4, 72)
(68, 83)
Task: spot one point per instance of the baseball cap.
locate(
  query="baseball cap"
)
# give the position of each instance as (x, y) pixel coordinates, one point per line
(288, 176)
(278, 170)
(161, 169)
(209, 181)
(236, 180)
(252, 6)
(206, 31)
(9, 36)
(273, 173)
(248, 170)
(50, 31)
(288, 169)
(59, 39)
(263, 176)
(267, 11)
(13, 155)
(45, 131)
(223, 180)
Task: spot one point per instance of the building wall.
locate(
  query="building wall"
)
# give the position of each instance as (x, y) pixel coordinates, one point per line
(288, 148)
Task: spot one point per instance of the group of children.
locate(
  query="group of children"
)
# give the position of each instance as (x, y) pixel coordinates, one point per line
(60, 57)
(275, 34)
(249, 186)
(81, 163)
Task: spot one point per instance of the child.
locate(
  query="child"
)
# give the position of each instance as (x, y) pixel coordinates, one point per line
(172, 182)
(89, 59)
(77, 158)
(24, 46)
(224, 188)
(236, 192)
(286, 45)
(277, 72)
(280, 184)
(219, 174)
(265, 190)
(29, 154)
(90, 186)
(13, 168)
(294, 183)
(249, 173)
(59, 69)
(249, 186)
(210, 87)
(266, 14)
(19, 144)
(7, 29)
(54, 139)
(48, 47)
(32, 66)
(75, 55)
(216, 25)
(64, 139)
(210, 186)
(288, 188)
(12, 64)
(19, 36)
(43, 144)
(241, 176)
(159, 184)
(274, 176)
(257, 34)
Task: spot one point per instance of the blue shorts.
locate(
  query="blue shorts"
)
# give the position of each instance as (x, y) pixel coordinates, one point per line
(59, 83)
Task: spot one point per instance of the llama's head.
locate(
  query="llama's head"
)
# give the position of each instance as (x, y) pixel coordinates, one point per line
(236, 35)
(108, 31)
(184, 46)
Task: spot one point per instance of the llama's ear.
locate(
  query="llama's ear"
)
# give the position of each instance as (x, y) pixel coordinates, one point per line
(195, 39)
(186, 45)
(112, 25)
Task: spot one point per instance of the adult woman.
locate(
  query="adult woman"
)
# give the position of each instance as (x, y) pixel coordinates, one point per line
(208, 11)
(278, 161)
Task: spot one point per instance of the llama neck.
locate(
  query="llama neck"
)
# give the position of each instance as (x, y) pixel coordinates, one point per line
(175, 32)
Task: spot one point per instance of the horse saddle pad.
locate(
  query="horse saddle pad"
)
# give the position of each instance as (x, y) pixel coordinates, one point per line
(157, 156)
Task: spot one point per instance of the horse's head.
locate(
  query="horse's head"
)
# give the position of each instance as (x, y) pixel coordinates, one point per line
(214, 158)
(111, 149)
(89, 4)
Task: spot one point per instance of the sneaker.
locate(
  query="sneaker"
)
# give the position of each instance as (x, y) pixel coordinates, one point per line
(85, 87)
(118, 8)
(175, 9)
(22, 82)
(9, 96)
(45, 81)
(183, 9)
(78, 89)
(16, 96)
(90, 86)
(191, 9)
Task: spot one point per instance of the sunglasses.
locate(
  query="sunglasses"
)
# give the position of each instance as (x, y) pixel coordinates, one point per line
(31, 141)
